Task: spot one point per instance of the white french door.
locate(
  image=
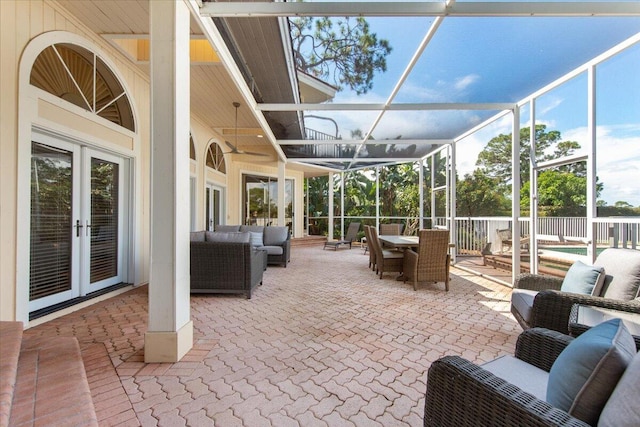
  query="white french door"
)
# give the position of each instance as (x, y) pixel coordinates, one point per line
(76, 224)
(213, 206)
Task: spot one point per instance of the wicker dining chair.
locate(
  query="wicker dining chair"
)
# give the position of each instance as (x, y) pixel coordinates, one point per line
(431, 262)
(385, 260)
(390, 229)
(372, 252)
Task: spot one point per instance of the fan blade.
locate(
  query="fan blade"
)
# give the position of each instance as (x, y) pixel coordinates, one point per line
(231, 146)
(253, 153)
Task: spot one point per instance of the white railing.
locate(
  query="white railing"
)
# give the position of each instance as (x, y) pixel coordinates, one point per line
(475, 233)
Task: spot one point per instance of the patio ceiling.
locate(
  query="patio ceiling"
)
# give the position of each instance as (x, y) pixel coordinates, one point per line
(482, 42)
(456, 43)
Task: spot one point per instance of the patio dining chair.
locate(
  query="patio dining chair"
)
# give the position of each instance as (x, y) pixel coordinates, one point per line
(431, 261)
(385, 260)
(372, 252)
(352, 234)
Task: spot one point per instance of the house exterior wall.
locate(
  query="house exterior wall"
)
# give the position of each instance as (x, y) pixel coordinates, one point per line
(26, 21)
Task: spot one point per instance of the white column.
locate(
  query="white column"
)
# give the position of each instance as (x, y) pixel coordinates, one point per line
(533, 193)
(281, 193)
(453, 229)
(170, 332)
(515, 194)
(330, 213)
(591, 164)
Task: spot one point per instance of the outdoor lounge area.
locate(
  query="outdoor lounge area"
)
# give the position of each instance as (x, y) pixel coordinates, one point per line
(313, 346)
(221, 212)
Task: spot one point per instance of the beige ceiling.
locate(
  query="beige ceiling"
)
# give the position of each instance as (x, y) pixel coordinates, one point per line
(212, 90)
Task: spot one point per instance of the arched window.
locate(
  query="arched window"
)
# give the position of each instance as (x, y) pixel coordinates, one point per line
(79, 76)
(215, 158)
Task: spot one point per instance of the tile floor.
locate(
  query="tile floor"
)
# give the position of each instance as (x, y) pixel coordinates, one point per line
(323, 342)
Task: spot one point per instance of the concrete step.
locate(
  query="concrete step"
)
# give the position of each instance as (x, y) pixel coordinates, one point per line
(11, 339)
(51, 385)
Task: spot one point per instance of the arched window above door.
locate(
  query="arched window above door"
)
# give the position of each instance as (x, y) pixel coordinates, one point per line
(79, 76)
(192, 148)
(215, 158)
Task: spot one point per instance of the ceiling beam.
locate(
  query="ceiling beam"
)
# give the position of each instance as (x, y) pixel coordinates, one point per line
(385, 107)
(357, 160)
(399, 9)
(368, 142)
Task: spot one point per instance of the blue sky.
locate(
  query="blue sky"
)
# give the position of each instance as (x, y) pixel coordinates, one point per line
(504, 60)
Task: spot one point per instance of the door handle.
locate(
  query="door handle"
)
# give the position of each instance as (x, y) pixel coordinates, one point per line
(78, 226)
(88, 226)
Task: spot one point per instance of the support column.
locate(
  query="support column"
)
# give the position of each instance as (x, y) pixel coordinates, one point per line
(515, 194)
(330, 213)
(281, 193)
(170, 332)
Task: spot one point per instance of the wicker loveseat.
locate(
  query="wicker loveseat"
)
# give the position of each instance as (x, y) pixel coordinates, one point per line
(537, 301)
(276, 240)
(225, 263)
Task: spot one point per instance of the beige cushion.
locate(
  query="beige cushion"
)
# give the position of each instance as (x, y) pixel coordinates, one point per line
(522, 301)
(622, 267)
(623, 407)
(526, 377)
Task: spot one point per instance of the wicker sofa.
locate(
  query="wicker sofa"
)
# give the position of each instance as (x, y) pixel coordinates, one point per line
(225, 263)
(537, 301)
(276, 240)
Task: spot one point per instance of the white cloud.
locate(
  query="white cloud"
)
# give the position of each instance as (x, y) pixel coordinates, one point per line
(463, 82)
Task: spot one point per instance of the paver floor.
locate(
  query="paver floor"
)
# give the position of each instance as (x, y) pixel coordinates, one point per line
(324, 342)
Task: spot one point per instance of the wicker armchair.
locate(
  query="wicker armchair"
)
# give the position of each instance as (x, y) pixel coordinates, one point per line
(537, 301)
(431, 262)
(460, 393)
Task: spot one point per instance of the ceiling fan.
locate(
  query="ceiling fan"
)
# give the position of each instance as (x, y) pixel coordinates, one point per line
(234, 148)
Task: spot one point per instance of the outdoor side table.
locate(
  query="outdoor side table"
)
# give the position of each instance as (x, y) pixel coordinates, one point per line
(584, 317)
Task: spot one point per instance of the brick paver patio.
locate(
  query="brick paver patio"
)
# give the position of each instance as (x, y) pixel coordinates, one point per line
(323, 342)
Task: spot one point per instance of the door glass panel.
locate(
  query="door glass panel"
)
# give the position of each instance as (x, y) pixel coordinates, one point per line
(104, 219)
(51, 227)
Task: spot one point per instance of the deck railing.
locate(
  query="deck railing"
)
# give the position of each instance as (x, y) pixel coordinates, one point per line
(473, 234)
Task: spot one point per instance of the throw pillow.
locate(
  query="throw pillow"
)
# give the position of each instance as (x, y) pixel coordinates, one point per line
(584, 375)
(622, 408)
(583, 279)
(256, 239)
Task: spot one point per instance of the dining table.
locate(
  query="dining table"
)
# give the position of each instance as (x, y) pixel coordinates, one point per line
(403, 242)
(399, 242)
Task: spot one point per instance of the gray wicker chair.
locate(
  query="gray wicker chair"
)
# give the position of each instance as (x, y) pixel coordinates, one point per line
(461, 393)
(537, 300)
(431, 262)
(372, 252)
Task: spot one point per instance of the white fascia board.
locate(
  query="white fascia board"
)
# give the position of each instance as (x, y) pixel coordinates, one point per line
(368, 142)
(384, 107)
(398, 9)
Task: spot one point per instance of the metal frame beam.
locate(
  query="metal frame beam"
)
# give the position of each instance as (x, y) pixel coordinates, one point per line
(427, 9)
(384, 107)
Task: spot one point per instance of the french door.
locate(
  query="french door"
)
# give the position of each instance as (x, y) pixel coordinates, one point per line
(213, 206)
(76, 224)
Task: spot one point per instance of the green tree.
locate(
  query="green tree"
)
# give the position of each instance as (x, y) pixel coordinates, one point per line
(479, 195)
(344, 50)
(495, 159)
